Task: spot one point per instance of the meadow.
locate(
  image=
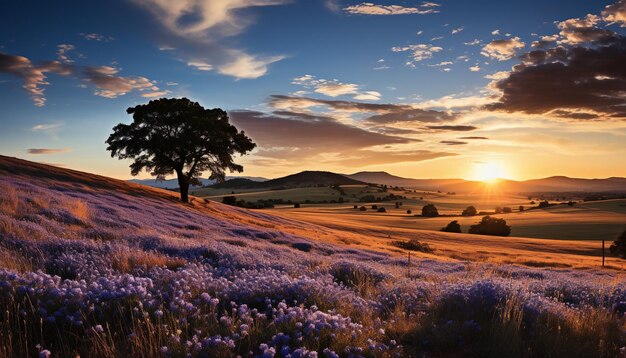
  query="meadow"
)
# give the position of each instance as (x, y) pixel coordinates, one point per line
(101, 268)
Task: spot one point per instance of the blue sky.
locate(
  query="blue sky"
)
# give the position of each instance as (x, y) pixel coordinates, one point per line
(69, 70)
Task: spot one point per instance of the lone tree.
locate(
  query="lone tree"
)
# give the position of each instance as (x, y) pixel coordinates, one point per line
(619, 246)
(491, 226)
(430, 211)
(176, 135)
(453, 226)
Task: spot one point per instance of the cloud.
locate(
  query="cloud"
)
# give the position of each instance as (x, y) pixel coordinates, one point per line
(576, 82)
(197, 28)
(473, 43)
(370, 157)
(454, 128)
(244, 66)
(615, 13)
(38, 151)
(62, 51)
(332, 5)
(200, 65)
(452, 142)
(457, 30)
(284, 129)
(575, 31)
(474, 138)
(418, 52)
(109, 85)
(379, 113)
(33, 77)
(49, 128)
(495, 32)
(92, 36)
(504, 49)
(335, 88)
(475, 68)
(368, 8)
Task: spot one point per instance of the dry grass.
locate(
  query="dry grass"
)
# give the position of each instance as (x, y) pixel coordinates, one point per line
(128, 261)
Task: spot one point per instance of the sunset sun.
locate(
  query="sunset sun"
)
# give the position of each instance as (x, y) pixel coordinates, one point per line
(488, 172)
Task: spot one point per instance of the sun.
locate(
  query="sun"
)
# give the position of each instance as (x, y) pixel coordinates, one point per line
(488, 172)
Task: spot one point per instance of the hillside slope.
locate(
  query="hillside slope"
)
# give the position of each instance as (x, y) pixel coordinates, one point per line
(299, 180)
(98, 267)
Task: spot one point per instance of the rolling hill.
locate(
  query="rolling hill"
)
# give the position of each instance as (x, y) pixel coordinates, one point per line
(299, 180)
(173, 183)
(550, 184)
(97, 267)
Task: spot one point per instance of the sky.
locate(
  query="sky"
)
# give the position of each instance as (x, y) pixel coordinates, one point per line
(445, 89)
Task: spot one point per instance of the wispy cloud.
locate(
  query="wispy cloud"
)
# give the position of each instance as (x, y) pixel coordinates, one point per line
(92, 36)
(39, 151)
(109, 84)
(418, 52)
(335, 88)
(200, 40)
(368, 8)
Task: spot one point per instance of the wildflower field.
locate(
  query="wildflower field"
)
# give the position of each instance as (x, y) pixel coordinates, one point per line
(97, 267)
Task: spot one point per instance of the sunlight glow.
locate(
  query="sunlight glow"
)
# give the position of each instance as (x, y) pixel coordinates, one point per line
(488, 172)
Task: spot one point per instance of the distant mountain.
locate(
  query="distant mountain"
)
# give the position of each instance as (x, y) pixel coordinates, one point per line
(299, 180)
(173, 183)
(550, 184)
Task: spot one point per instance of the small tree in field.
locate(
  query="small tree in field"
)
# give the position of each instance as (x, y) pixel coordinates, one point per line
(619, 246)
(176, 135)
(430, 211)
(491, 226)
(469, 211)
(453, 226)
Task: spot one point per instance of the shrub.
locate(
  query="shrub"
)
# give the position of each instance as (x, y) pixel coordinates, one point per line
(498, 210)
(491, 226)
(453, 226)
(381, 210)
(363, 208)
(413, 245)
(430, 211)
(619, 246)
(570, 203)
(296, 205)
(507, 210)
(356, 206)
(409, 212)
(229, 200)
(469, 211)
(374, 207)
(521, 208)
(544, 204)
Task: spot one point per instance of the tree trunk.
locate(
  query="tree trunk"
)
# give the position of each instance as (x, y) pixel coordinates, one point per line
(183, 185)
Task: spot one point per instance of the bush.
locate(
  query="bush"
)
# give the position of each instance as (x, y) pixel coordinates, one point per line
(491, 226)
(409, 212)
(430, 211)
(521, 208)
(374, 207)
(229, 200)
(498, 210)
(356, 206)
(363, 208)
(413, 245)
(296, 205)
(381, 210)
(570, 203)
(453, 226)
(619, 246)
(469, 211)
(544, 204)
(507, 210)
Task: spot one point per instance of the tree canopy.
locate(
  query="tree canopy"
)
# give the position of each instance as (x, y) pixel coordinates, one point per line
(491, 226)
(178, 136)
(618, 247)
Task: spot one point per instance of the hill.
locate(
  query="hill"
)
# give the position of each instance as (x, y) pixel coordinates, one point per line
(550, 184)
(96, 267)
(299, 180)
(173, 183)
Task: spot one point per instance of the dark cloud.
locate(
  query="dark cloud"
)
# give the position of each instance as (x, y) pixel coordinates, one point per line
(473, 138)
(47, 150)
(297, 130)
(453, 142)
(453, 128)
(386, 113)
(577, 82)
